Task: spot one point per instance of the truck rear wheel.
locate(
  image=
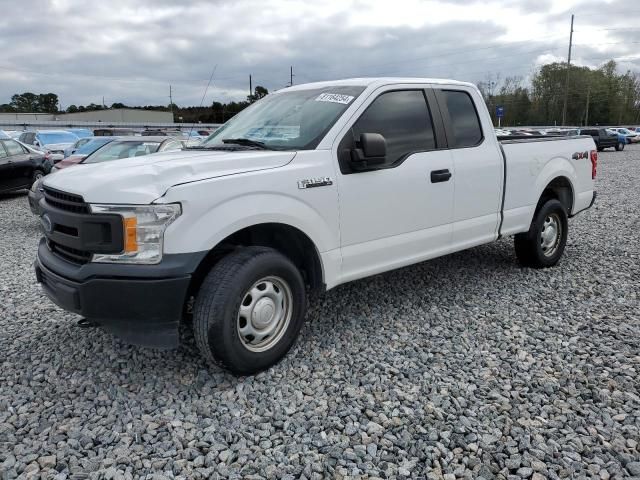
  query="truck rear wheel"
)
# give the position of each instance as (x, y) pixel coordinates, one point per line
(543, 245)
(249, 310)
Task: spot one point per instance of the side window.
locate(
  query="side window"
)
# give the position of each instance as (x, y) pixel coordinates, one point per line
(464, 119)
(3, 152)
(14, 148)
(403, 118)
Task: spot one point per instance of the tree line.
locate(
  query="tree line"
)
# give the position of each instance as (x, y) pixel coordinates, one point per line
(598, 96)
(217, 112)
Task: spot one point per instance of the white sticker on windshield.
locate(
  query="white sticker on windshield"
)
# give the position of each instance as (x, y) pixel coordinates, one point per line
(334, 98)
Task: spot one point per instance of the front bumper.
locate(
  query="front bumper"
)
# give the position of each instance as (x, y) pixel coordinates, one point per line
(142, 304)
(34, 196)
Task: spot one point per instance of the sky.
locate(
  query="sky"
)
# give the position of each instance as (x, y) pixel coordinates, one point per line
(130, 51)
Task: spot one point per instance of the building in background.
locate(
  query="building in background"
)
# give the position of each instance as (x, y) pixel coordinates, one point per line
(115, 115)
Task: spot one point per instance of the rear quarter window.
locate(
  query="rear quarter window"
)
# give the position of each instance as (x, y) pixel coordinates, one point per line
(465, 123)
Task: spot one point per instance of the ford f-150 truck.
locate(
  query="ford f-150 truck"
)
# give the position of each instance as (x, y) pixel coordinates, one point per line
(311, 187)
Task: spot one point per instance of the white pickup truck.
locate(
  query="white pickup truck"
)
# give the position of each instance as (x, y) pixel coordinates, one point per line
(311, 187)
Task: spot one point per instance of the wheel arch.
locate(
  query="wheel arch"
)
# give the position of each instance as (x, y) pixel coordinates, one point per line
(290, 241)
(557, 179)
(561, 189)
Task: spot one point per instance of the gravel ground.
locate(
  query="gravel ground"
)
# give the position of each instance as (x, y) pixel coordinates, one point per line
(463, 367)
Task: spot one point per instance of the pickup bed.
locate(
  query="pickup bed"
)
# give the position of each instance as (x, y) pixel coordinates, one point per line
(310, 187)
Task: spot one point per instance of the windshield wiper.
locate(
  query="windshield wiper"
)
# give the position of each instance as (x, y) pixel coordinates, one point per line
(246, 142)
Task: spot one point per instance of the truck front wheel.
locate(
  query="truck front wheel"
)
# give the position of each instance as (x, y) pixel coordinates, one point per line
(543, 245)
(249, 310)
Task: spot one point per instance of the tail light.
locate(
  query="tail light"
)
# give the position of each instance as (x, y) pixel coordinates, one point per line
(594, 163)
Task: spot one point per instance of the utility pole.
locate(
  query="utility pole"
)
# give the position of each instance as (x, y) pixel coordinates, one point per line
(566, 87)
(250, 87)
(171, 100)
(586, 115)
(291, 77)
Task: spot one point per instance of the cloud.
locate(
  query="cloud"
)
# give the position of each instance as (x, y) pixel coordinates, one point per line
(131, 52)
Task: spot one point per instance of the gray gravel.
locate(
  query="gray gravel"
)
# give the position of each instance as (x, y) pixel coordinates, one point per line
(463, 367)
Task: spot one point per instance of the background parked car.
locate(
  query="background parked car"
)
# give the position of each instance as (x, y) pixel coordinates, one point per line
(19, 167)
(112, 132)
(128, 147)
(603, 138)
(632, 137)
(52, 141)
(79, 143)
(89, 145)
(81, 132)
(114, 149)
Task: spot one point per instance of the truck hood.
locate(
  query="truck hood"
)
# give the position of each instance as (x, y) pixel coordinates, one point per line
(141, 180)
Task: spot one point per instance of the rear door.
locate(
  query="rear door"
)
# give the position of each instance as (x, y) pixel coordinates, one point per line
(396, 213)
(478, 165)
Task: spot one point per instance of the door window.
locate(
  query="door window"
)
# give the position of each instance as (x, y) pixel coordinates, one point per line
(14, 148)
(465, 124)
(403, 119)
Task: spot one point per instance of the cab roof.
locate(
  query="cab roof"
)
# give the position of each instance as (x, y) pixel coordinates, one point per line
(376, 82)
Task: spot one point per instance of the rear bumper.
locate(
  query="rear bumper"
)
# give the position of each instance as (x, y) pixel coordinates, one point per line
(142, 305)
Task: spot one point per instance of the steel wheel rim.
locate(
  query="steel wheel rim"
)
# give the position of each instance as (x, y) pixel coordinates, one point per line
(264, 314)
(550, 235)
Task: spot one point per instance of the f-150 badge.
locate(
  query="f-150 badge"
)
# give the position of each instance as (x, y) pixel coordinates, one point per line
(314, 182)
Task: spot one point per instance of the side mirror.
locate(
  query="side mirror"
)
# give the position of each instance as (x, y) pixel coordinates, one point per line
(372, 151)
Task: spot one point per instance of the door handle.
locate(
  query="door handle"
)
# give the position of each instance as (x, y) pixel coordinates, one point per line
(438, 176)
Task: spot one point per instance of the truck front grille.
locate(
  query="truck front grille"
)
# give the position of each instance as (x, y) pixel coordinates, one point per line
(65, 201)
(70, 254)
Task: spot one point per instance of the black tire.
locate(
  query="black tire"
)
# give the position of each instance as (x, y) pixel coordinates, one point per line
(619, 146)
(600, 148)
(530, 246)
(217, 322)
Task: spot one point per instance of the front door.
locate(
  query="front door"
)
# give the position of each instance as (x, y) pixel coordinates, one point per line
(7, 174)
(399, 212)
(21, 162)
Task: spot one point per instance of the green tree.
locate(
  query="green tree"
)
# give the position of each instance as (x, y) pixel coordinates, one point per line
(258, 93)
(25, 102)
(47, 103)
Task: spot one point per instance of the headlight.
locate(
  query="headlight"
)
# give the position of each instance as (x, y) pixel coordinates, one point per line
(143, 227)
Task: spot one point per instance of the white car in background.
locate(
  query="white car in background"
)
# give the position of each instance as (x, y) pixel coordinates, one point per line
(53, 142)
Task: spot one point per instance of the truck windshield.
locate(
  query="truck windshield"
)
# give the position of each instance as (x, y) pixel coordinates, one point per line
(288, 120)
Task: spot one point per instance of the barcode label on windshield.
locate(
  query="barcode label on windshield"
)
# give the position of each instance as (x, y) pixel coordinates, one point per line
(334, 98)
